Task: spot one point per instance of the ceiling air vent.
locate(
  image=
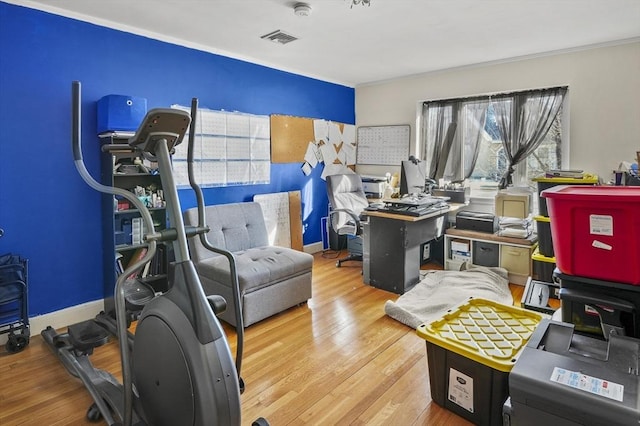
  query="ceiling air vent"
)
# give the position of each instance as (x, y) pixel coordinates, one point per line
(279, 36)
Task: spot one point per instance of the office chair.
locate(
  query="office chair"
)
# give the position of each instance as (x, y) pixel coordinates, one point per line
(348, 201)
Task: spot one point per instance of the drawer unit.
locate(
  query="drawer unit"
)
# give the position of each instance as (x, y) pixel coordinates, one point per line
(486, 254)
(515, 259)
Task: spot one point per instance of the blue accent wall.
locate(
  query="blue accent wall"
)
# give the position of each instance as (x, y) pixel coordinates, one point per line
(49, 215)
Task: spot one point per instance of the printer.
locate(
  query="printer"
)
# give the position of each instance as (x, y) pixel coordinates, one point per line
(563, 378)
(457, 195)
(374, 186)
(477, 221)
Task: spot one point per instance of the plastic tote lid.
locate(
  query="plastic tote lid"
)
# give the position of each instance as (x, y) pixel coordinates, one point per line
(587, 178)
(540, 258)
(539, 218)
(484, 331)
(613, 194)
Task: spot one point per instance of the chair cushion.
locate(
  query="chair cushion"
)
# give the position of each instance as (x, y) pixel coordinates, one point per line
(233, 227)
(348, 228)
(258, 267)
(345, 192)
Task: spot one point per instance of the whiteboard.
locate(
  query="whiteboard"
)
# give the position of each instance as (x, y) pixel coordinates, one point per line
(384, 145)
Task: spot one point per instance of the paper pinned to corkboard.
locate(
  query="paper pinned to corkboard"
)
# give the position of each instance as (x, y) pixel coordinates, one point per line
(292, 136)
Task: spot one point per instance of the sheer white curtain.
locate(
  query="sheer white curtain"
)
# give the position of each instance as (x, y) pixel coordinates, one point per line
(524, 122)
(475, 115)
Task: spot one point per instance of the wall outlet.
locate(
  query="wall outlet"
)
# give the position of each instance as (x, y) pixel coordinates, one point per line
(426, 251)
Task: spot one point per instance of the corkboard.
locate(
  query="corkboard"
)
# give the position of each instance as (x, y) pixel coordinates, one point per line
(295, 215)
(289, 138)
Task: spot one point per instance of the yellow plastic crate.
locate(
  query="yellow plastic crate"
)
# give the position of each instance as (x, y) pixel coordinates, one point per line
(470, 353)
(586, 179)
(545, 182)
(484, 331)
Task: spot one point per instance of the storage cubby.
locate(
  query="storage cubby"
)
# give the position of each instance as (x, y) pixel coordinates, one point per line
(484, 249)
(122, 223)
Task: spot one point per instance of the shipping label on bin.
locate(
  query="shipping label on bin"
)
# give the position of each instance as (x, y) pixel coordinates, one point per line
(601, 225)
(461, 389)
(583, 382)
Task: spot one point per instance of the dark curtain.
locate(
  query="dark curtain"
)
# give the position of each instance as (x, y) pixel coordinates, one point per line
(440, 119)
(453, 130)
(524, 123)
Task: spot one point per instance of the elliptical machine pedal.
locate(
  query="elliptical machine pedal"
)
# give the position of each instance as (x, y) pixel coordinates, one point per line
(86, 336)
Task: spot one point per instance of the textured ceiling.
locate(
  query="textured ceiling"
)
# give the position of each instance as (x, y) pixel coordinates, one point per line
(358, 45)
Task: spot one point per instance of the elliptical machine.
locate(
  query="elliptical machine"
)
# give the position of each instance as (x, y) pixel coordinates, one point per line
(178, 368)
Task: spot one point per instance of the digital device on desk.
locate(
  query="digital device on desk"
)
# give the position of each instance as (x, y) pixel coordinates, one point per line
(373, 185)
(412, 177)
(373, 189)
(458, 195)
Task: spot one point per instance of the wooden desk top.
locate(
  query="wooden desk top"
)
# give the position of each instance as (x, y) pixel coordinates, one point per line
(406, 217)
(463, 233)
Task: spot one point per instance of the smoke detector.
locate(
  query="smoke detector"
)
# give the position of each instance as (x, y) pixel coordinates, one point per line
(302, 9)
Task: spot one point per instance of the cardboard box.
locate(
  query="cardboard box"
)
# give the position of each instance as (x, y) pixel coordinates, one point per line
(461, 246)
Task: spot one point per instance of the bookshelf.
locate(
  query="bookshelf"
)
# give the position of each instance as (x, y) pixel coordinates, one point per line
(122, 224)
(483, 249)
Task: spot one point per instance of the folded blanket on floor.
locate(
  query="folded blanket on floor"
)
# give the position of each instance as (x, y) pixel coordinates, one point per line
(440, 291)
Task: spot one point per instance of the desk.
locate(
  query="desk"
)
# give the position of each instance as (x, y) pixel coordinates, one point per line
(391, 248)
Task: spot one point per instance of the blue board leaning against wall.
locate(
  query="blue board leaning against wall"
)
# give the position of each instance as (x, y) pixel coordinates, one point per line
(49, 215)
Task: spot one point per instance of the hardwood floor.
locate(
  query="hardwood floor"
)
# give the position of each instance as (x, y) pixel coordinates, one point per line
(339, 360)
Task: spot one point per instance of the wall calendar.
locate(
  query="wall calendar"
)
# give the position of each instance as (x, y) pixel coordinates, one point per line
(383, 145)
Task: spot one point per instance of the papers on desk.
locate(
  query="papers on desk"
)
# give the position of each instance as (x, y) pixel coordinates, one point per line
(413, 210)
(416, 200)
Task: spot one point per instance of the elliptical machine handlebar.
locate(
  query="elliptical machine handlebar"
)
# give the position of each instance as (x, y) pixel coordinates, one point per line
(119, 296)
(76, 145)
(202, 229)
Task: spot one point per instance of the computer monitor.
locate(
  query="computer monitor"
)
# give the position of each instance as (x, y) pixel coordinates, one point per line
(412, 177)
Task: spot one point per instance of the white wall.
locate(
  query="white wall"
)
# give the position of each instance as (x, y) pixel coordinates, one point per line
(604, 99)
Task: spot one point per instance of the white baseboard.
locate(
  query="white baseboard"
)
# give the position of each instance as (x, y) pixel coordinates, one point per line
(313, 248)
(86, 311)
(62, 318)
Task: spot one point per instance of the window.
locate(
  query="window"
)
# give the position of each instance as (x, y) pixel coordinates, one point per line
(531, 120)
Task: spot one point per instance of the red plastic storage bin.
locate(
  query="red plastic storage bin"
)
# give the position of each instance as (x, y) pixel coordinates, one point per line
(596, 231)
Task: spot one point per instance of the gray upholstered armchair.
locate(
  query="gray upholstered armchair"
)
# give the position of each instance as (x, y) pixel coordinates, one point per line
(271, 278)
(348, 201)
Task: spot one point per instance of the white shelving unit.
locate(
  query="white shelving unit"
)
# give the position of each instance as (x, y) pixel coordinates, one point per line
(483, 249)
